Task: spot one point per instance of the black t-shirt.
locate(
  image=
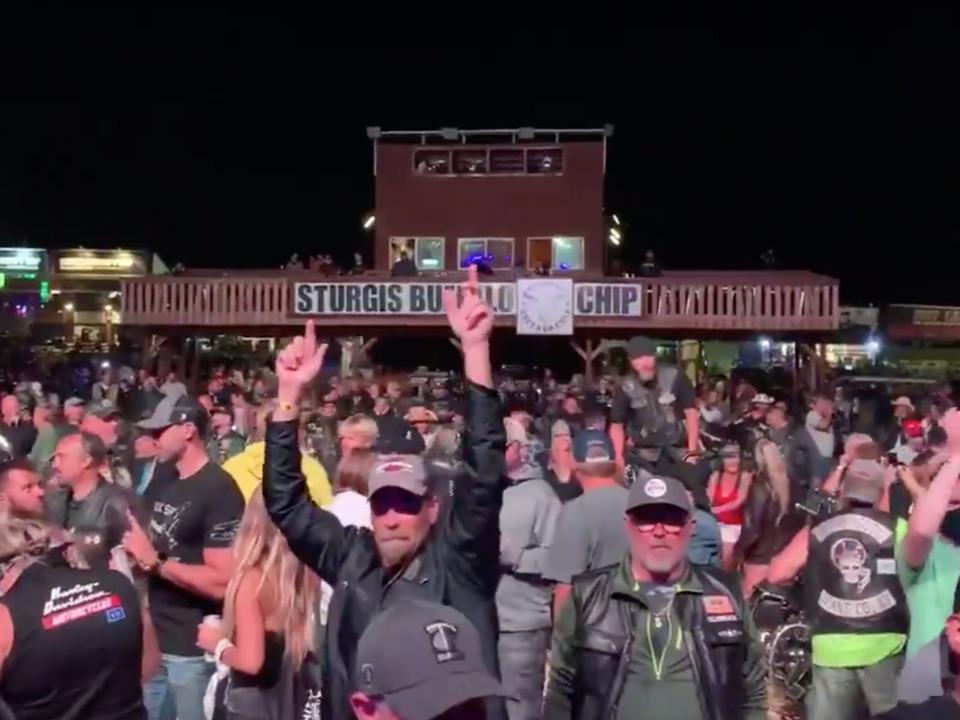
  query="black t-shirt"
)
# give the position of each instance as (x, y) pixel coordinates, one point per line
(77, 646)
(194, 513)
(938, 708)
(682, 390)
(21, 437)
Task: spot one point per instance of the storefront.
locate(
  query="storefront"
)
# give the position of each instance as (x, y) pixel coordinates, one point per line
(85, 290)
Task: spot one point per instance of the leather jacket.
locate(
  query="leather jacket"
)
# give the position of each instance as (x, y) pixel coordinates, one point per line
(594, 635)
(458, 565)
(98, 521)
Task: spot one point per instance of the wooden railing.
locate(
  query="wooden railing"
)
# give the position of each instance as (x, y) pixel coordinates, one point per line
(771, 301)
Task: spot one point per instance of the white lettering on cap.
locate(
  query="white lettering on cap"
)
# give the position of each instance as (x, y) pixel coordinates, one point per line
(655, 488)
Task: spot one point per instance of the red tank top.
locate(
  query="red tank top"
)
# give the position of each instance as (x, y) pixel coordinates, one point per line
(730, 517)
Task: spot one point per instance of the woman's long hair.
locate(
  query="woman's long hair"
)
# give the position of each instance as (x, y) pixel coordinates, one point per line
(772, 470)
(294, 587)
(353, 471)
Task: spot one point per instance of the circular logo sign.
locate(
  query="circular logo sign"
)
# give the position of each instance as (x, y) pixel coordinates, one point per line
(655, 488)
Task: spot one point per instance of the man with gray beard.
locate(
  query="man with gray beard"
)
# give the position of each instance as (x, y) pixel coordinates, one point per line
(654, 637)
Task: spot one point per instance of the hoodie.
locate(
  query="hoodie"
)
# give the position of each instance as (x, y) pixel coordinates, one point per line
(246, 469)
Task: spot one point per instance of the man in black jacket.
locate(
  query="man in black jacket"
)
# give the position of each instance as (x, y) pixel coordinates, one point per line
(414, 551)
(654, 636)
(84, 502)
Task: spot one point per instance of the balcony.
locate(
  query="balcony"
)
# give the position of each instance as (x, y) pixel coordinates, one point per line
(695, 300)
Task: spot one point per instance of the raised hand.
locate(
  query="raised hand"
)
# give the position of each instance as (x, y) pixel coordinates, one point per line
(299, 363)
(471, 319)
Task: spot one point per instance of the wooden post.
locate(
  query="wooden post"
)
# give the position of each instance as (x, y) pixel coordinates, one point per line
(195, 366)
(588, 353)
(346, 356)
(165, 361)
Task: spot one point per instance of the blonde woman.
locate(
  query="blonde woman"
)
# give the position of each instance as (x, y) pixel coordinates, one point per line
(765, 512)
(268, 627)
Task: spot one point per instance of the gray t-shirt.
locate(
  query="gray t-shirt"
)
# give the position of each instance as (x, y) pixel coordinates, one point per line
(589, 534)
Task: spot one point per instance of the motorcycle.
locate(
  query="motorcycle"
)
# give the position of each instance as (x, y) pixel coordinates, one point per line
(785, 636)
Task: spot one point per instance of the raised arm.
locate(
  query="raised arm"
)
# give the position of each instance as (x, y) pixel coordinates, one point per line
(315, 536)
(474, 523)
(929, 510)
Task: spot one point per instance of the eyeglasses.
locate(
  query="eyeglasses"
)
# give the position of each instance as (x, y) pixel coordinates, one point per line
(670, 526)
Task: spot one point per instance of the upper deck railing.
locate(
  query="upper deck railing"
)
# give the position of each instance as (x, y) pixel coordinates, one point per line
(694, 300)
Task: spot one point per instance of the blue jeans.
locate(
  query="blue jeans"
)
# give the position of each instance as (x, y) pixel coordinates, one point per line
(846, 693)
(176, 691)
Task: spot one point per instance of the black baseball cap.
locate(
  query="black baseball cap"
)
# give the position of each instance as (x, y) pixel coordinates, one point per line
(423, 659)
(658, 490)
(640, 346)
(176, 411)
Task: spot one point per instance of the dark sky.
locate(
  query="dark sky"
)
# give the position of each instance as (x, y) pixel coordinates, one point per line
(192, 131)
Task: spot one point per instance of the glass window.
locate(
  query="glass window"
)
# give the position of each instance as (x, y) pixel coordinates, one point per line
(558, 253)
(430, 253)
(545, 161)
(470, 162)
(426, 252)
(401, 247)
(506, 162)
(500, 253)
(567, 253)
(431, 162)
(495, 252)
(471, 250)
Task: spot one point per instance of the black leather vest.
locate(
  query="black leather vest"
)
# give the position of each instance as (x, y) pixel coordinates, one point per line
(852, 582)
(655, 420)
(715, 643)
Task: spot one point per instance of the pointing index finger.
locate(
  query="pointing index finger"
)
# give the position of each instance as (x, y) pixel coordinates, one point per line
(309, 340)
(471, 286)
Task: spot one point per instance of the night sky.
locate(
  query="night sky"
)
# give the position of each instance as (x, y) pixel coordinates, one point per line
(190, 131)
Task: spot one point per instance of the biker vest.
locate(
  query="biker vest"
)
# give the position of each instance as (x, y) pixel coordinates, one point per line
(655, 421)
(852, 584)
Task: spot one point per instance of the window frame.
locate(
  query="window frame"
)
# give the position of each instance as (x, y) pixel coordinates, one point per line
(553, 251)
(485, 240)
(488, 149)
(416, 250)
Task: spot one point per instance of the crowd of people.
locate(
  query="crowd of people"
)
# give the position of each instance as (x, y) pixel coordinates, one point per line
(476, 547)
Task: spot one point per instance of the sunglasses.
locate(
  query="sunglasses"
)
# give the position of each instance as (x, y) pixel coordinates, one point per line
(671, 523)
(396, 499)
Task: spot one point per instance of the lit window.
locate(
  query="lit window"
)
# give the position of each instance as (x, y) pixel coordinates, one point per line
(426, 252)
(546, 161)
(560, 252)
(497, 253)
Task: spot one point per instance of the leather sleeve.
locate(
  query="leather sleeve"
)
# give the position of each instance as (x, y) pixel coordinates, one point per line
(315, 536)
(473, 530)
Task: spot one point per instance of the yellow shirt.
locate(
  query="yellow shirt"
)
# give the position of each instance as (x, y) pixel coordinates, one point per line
(247, 471)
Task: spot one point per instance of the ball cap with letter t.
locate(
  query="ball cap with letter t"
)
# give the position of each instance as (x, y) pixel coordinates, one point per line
(423, 659)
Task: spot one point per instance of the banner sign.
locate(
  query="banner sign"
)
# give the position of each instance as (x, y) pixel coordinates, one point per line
(21, 262)
(608, 300)
(545, 306)
(385, 298)
(911, 322)
(113, 263)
